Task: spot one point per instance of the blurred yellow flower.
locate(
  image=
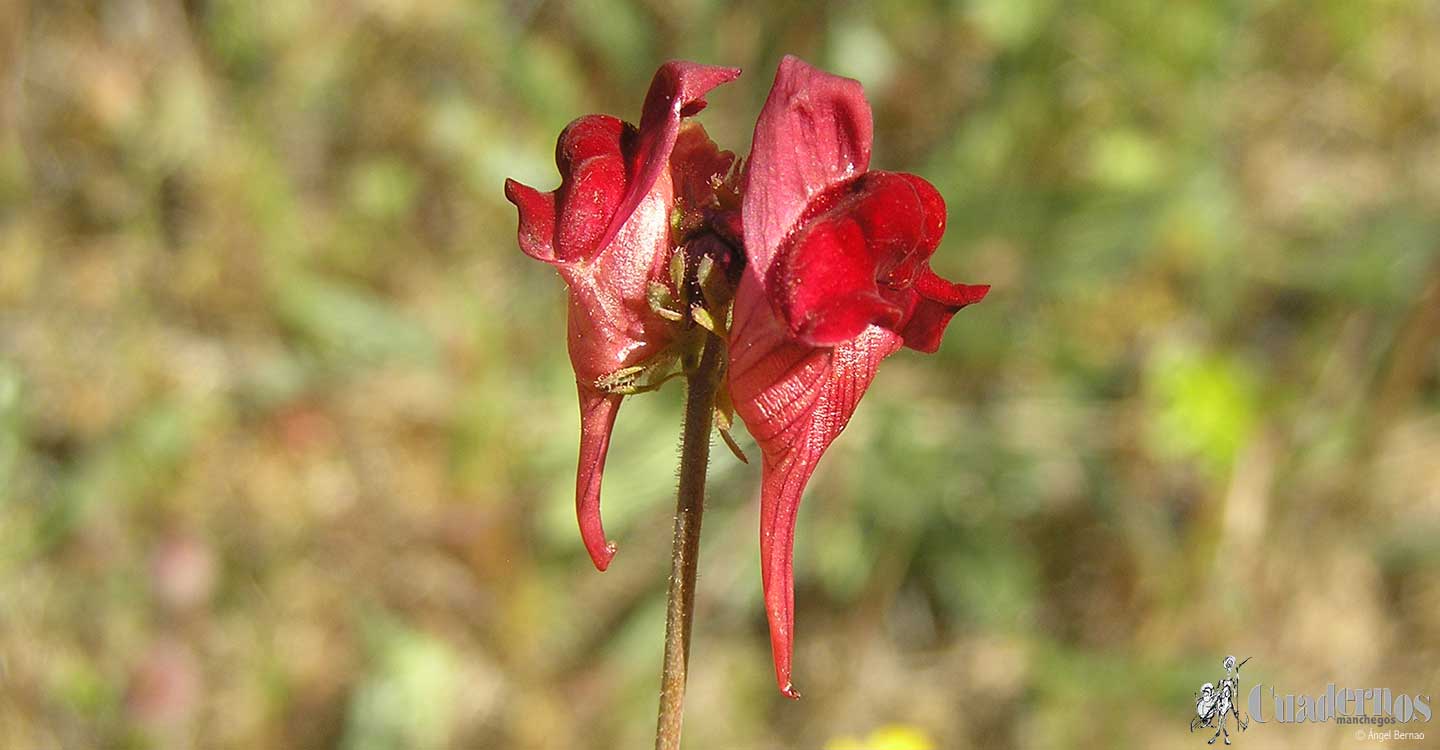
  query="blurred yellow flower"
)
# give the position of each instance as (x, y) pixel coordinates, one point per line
(894, 737)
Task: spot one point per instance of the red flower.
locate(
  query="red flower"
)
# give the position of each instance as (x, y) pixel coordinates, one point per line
(607, 231)
(837, 278)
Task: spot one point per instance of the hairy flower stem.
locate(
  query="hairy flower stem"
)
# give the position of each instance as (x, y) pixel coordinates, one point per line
(685, 552)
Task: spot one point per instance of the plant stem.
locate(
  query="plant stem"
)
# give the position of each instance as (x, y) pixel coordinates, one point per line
(685, 552)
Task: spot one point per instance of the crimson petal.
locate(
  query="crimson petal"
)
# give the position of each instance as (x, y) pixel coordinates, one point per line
(795, 399)
(814, 133)
(827, 276)
(677, 91)
(936, 301)
(537, 220)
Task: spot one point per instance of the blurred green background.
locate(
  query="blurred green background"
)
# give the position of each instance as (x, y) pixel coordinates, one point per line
(287, 428)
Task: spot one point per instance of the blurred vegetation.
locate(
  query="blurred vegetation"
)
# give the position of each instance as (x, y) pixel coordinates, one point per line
(287, 430)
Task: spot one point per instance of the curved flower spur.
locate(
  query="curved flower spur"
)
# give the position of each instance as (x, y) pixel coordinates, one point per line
(610, 230)
(837, 278)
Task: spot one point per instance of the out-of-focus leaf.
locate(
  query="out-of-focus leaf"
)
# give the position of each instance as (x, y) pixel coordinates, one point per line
(1205, 406)
(1126, 160)
(349, 323)
(408, 698)
(11, 426)
(383, 188)
(1011, 24)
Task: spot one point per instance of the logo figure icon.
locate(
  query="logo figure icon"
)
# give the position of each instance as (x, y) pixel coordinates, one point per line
(1215, 705)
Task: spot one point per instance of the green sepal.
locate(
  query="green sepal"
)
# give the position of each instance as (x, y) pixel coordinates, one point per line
(642, 378)
(725, 420)
(733, 446)
(677, 274)
(708, 322)
(662, 302)
(713, 284)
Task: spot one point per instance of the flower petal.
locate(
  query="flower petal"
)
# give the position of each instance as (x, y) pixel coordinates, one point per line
(678, 90)
(597, 419)
(813, 134)
(565, 225)
(795, 400)
(697, 166)
(537, 220)
(851, 262)
(861, 257)
(936, 301)
(590, 155)
(611, 324)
